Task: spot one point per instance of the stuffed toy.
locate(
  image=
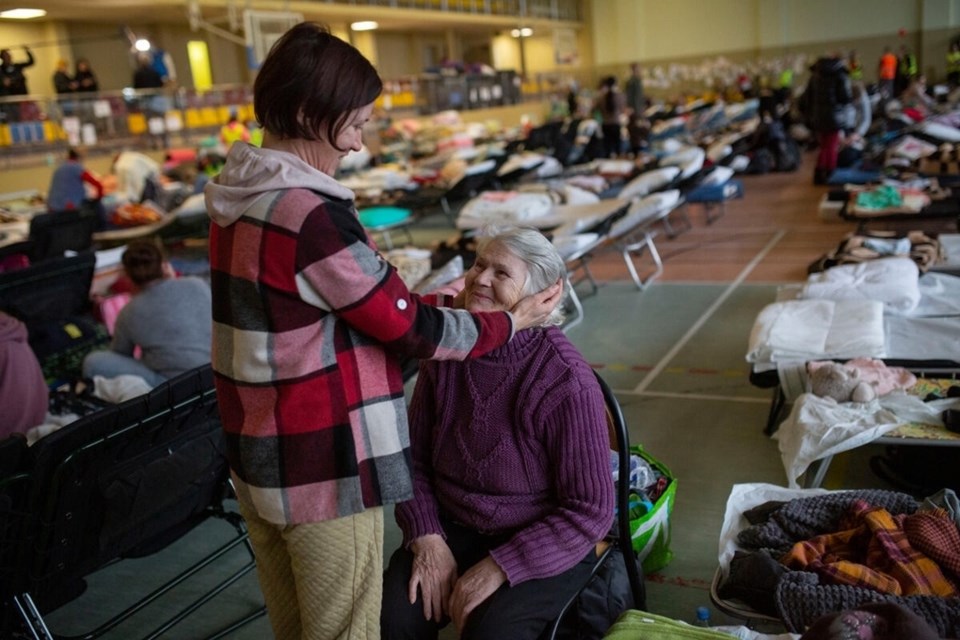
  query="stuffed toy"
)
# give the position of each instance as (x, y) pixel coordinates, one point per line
(833, 380)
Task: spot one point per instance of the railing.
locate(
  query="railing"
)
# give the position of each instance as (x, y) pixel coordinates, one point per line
(567, 10)
(40, 128)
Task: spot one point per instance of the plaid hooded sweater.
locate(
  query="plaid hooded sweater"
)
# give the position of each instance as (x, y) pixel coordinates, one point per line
(308, 324)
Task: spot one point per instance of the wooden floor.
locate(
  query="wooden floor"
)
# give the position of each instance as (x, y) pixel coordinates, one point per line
(779, 212)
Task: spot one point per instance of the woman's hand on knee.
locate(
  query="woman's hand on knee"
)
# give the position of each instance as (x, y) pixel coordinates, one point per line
(434, 573)
(476, 585)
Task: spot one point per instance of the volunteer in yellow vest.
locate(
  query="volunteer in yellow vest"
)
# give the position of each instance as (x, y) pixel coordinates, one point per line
(854, 66)
(233, 131)
(953, 64)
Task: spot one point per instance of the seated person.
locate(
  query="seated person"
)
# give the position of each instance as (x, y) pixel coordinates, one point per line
(68, 188)
(133, 170)
(23, 391)
(167, 317)
(512, 480)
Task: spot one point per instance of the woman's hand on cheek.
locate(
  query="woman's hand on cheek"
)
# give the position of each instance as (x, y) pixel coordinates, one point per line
(534, 310)
(476, 585)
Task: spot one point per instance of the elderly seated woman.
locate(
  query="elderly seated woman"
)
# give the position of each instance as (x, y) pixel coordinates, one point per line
(512, 481)
(168, 318)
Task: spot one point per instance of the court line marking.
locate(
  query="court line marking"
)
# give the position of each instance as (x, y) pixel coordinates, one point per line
(691, 396)
(675, 349)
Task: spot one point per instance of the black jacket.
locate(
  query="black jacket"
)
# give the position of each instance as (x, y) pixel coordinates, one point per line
(822, 104)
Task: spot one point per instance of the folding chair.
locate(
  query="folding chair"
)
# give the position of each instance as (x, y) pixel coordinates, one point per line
(53, 299)
(478, 177)
(123, 483)
(55, 233)
(620, 537)
(14, 489)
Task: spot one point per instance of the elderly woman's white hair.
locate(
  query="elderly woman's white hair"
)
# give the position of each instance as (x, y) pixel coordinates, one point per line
(544, 264)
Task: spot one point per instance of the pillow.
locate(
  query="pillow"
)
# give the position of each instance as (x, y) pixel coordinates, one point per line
(941, 131)
(648, 182)
(718, 175)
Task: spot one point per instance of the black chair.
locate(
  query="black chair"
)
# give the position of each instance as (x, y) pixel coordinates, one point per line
(126, 482)
(620, 537)
(55, 233)
(14, 489)
(52, 298)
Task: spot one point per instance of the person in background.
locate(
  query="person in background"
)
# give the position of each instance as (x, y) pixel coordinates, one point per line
(636, 106)
(133, 169)
(167, 318)
(907, 69)
(85, 78)
(824, 105)
(887, 73)
(917, 104)
(611, 105)
(145, 76)
(68, 187)
(310, 324)
(12, 80)
(233, 131)
(953, 65)
(573, 100)
(62, 82)
(854, 66)
(23, 391)
(512, 481)
(858, 121)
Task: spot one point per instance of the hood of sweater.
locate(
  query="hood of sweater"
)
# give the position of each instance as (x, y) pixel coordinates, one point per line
(250, 172)
(12, 330)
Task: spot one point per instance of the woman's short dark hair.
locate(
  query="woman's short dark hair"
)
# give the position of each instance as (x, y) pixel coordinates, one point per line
(143, 262)
(312, 79)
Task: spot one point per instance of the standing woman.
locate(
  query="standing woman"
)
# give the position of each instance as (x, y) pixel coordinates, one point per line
(85, 78)
(612, 106)
(824, 105)
(310, 323)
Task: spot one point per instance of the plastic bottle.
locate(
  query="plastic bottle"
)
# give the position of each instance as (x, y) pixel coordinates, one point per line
(703, 617)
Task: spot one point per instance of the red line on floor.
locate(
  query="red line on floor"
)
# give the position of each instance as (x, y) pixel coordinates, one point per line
(679, 581)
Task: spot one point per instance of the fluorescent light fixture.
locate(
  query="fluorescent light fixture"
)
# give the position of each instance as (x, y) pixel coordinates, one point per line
(364, 25)
(22, 14)
(525, 32)
(142, 44)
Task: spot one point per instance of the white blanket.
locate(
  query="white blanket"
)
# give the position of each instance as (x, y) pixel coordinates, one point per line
(820, 427)
(892, 281)
(817, 330)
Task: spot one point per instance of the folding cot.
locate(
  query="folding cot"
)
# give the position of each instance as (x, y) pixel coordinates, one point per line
(747, 584)
(123, 482)
(922, 337)
(941, 215)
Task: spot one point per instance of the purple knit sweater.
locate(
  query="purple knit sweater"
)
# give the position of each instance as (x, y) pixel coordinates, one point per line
(515, 442)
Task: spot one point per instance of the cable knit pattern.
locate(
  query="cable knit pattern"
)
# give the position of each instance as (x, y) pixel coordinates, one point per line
(805, 518)
(514, 443)
(801, 600)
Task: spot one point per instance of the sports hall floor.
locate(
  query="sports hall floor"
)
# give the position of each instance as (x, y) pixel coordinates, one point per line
(674, 354)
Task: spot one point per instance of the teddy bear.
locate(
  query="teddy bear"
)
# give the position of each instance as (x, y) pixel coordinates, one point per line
(833, 380)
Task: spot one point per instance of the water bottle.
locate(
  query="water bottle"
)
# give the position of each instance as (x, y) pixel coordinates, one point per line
(703, 617)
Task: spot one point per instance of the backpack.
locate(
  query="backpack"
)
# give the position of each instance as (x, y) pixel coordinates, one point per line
(601, 602)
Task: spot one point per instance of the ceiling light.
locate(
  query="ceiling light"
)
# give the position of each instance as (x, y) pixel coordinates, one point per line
(525, 32)
(22, 14)
(364, 25)
(142, 45)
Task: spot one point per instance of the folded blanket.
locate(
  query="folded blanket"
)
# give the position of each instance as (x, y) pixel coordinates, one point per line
(892, 281)
(817, 329)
